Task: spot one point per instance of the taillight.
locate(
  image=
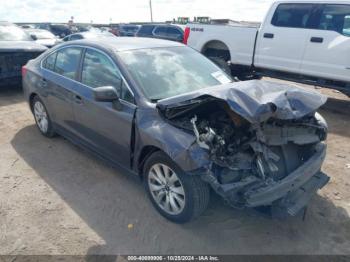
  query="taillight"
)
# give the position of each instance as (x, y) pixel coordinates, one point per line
(24, 71)
(186, 35)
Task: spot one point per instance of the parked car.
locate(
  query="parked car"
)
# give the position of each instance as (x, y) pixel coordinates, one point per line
(28, 26)
(16, 48)
(60, 30)
(305, 41)
(162, 31)
(182, 128)
(87, 35)
(43, 37)
(124, 30)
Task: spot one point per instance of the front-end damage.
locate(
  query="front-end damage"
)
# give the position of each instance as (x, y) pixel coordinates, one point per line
(264, 140)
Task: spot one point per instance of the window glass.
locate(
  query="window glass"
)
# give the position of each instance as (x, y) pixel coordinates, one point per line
(336, 18)
(174, 32)
(161, 31)
(146, 29)
(98, 70)
(49, 62)
(189, 71)
(292, 15)
(75, 37)
(67, 62)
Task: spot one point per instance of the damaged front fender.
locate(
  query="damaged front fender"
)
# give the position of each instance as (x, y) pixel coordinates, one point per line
(152, 130)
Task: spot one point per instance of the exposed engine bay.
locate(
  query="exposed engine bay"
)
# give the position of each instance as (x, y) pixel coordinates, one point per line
(249, 156)
(264, 141)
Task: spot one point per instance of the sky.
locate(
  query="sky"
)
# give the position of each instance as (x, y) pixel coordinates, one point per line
(121, 11)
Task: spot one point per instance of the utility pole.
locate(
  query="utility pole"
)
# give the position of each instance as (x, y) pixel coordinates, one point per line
(150, 7)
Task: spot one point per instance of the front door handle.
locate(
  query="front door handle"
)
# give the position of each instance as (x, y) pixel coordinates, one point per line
(316, 40)
(78, 99)
(268, 35)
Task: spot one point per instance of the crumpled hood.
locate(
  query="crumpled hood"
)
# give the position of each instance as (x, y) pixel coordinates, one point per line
(21, 46)
(255, 100)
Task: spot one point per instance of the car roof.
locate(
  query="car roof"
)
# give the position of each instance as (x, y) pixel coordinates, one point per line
(4, 23)
(118, 44)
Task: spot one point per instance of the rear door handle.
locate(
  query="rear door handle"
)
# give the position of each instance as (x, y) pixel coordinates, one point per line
(78, 99)
(316, 40)
(268, 35)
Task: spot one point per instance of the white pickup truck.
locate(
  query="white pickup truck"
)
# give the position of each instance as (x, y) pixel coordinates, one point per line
(303, 41)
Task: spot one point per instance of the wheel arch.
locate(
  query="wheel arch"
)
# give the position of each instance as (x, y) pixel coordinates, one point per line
(31, 98)
(145, 153)
(218, 48)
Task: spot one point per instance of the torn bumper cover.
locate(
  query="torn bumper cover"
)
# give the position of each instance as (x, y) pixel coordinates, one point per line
(306, 177)
(290, 195)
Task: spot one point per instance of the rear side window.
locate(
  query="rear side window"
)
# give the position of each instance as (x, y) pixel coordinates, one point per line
(75, 37)
(67, 62)
(161, 31)
(293, 15)
(174, 32)
(49, 62)
(336, 18)
(146, 30)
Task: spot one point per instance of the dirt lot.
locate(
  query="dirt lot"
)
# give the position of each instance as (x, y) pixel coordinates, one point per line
(57, 199)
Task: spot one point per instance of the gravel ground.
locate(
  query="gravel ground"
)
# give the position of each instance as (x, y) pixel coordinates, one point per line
(58, 199)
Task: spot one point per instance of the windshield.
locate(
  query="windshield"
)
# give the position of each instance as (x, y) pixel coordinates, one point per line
(167, 72)
(13, 33)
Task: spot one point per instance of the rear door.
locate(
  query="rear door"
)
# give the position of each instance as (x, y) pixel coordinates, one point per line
(60, 72)
(327, 53)
(104, 127)
(283, 37)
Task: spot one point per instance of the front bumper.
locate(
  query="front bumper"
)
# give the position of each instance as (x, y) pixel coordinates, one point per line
(290, 194)
(294, 181)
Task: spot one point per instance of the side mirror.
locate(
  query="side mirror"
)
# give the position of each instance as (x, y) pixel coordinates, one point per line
(105, 94)
(34, 37)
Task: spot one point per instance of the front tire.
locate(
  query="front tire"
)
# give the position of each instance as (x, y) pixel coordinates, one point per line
(42, 118)
(176, 195)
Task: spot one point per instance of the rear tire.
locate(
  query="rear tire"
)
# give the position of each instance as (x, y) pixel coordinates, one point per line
(188, 195)
(42, 118)
(220, 62)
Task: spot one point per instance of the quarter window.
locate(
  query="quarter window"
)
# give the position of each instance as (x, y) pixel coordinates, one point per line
(292, 15)
(49, 62)
(174, 32)
(336, 18)
(67, 62)
(98, 70)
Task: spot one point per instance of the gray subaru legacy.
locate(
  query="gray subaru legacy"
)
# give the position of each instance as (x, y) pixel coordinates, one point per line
(177, 121)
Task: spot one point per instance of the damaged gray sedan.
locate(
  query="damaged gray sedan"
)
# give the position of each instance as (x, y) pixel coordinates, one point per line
(175, 119)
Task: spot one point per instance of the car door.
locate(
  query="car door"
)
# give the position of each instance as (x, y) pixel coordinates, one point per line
(103, 126)
(60, 71)
(282, 39)
(327, 53)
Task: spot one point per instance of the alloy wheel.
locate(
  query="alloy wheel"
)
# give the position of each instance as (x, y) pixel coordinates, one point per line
(41, 116)
(166, 189)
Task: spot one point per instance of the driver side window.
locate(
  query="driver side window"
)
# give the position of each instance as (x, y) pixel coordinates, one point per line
(98, 70)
